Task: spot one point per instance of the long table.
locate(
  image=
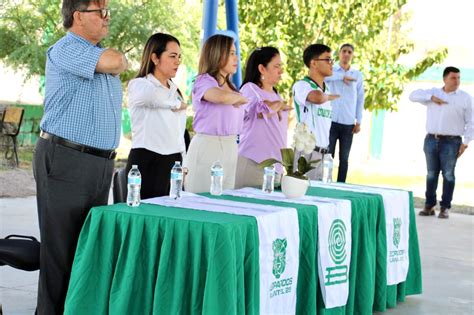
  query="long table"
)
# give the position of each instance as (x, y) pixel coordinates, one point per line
(165, 260)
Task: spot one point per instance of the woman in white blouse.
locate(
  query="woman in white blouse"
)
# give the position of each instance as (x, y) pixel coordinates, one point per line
(158, 115)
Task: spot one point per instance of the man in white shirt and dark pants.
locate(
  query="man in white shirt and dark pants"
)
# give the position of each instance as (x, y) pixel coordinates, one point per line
(449, 119)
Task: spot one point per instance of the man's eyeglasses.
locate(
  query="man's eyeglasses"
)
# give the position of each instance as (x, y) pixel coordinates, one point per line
(328, 60)
(104, 12)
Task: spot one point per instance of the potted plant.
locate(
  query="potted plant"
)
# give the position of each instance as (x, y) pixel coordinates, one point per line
(295, 183)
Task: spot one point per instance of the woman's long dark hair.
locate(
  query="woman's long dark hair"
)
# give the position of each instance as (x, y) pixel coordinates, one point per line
(155, 44)
(260, 56)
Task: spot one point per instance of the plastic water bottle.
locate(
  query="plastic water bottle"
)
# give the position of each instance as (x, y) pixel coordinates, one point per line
(217, 178)
(268, 179)
(327, 168)
(176, 180)
(134, 184)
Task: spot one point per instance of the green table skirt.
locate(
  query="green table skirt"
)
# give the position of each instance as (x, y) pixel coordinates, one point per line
(161, 260)
(384, 296)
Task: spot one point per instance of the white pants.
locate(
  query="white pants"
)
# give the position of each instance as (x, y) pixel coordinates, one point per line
(203, 151)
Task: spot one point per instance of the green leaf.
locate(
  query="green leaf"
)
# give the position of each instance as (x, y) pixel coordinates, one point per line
(304, 166)
(268, 162)
(287, 156)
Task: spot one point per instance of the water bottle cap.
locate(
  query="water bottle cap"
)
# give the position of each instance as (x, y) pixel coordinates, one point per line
(134, 166)
(269, 170)
(177, 162)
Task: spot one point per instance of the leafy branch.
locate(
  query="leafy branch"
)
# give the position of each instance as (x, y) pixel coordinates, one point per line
(288, 158)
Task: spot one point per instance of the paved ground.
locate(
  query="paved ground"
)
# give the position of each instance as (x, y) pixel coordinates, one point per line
(18, 288)
(447, 251)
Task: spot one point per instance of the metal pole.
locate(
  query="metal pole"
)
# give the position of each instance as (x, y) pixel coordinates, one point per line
(209, 26)
(209, 18)
(232, 19)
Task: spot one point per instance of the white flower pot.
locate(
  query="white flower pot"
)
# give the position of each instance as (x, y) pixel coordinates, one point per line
(294, 187)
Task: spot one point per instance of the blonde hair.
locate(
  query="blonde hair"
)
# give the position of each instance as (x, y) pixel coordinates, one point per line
(214, 56)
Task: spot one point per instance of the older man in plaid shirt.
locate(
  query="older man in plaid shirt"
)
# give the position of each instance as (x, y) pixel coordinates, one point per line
(80, 130)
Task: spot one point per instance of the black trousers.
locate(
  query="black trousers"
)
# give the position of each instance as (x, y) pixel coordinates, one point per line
(68, 184)
(344, 134)
(155, 170)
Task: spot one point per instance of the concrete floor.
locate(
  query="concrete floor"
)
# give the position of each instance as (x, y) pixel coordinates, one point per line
(18, 288)
(447, 252)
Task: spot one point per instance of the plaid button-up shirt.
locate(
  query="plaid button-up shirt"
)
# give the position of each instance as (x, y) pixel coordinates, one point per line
(81, 104)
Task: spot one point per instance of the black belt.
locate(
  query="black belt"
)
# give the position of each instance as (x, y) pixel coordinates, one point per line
(443, 136)
(108, 154)
(321, 150)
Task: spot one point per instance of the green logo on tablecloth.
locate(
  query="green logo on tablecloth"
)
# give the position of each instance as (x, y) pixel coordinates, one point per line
(397, 223)
(279, 257)
(281, 286)
(337, 252)
(337, 241)
(398, 255)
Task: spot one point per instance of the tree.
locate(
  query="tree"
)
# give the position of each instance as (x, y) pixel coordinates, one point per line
(291, 25)
(29, 27)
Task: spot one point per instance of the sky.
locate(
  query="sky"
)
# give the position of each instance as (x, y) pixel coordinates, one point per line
(442, 23)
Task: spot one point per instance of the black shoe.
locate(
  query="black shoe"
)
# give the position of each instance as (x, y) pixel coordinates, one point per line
(427, 211)
(444, 213)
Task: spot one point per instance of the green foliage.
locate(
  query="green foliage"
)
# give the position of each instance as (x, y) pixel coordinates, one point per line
(189, 124)
(287, 160)
(291, 25)
(29, 27)
(287, 157)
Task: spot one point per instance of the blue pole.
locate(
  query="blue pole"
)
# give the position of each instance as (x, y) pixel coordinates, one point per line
(232, 19)
(209, 25)
(209, 18)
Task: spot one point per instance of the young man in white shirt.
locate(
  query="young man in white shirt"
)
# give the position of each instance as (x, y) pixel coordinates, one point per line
(313, 101)
(347, 113)
(449, 118)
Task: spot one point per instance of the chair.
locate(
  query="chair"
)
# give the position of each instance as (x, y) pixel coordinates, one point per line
(119, 183)
(11, 123)
(20, 251)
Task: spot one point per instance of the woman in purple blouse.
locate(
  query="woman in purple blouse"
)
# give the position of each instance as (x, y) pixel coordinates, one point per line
(265, 119)
(218, 116)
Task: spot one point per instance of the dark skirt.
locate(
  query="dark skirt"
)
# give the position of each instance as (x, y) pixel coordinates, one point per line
(155, 170)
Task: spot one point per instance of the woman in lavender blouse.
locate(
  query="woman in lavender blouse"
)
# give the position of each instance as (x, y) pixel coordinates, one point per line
(218, 116)
(266, 117)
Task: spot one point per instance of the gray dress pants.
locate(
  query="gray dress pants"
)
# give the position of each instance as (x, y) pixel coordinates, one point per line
(68, 184)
